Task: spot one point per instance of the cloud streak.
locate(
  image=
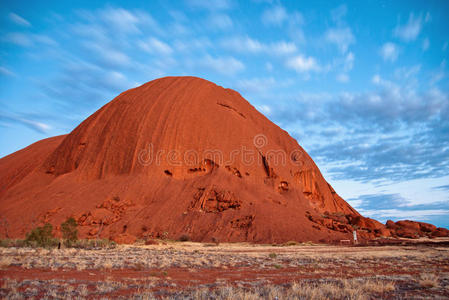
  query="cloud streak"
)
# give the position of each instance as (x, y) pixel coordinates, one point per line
(409, 31)
(389, 52)
(37, 126)
(19, 20)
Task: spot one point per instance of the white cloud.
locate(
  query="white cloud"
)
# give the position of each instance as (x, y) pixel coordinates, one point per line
(376, 79)
(409, 31)
(256, 85)
(302, 64)
(6, 72)
(19, 20)
(223, 65)
(39, 126)
(407, 73)
(283, 48)
(247, 44)
(115, 79)
(242, 44)
(342, 77)
(220, 21)
(19, 39)
(117, 22)
(121, 19)
(108, 55)
(389, 52)
(339, 13)
(264, 109)
(384, 214)
(210, 4)
(153, 45)
(43, 39)
(28, 40)
(342, 37)
(192, 44)
(21, 119)
(349, 62)
(428, 18)
(346, 64)
(425, 44)
(275, 15)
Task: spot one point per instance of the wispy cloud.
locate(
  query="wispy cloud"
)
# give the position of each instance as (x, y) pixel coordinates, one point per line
(256, 85)
(107, 55)
(19, 20)
(338, 14)
(250, 45)
(303, 64)
(220, 21)
(225, 65)
(275, 15)
(5, 72)
(18, 38)
(28, 40)
(154, 45)
(210, 4)
(401, 214)
(23, 120)
(341, 37)
(342, 77)
(389, 52)
(442, 187)
(121, 20)
(425, 44)
(410, 30)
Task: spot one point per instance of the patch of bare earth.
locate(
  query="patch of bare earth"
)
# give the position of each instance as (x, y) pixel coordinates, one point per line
(228, 271)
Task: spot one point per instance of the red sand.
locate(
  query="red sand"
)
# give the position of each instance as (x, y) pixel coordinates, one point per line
(177, 156)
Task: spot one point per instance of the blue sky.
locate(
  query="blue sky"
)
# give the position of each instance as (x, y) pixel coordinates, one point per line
(362, 85)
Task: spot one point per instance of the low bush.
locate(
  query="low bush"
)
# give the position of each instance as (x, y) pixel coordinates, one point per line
(41, 237)
(184, 238)
(69, 231)
(6, 243)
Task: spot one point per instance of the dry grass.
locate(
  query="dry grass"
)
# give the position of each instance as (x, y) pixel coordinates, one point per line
(336, 289)
(307, 272)
(429, 280)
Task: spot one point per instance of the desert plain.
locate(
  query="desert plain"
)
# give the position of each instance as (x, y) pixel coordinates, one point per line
(417, 269)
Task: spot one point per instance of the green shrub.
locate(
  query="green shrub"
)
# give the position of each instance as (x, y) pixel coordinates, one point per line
(41, 237)
(69, 231)
(272, 255)
(6, 243)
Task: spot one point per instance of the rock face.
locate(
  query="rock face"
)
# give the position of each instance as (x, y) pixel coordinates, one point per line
(412, 229)
(177, 156)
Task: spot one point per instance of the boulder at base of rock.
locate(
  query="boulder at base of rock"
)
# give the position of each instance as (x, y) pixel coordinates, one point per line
(440, 232)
